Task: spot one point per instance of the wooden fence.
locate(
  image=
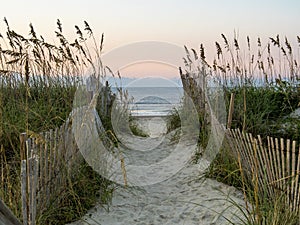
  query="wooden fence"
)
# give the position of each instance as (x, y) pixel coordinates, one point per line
(273, 166)
(48, 160)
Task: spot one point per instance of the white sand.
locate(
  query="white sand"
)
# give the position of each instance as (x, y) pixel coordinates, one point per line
(185, 198)
(154, 126)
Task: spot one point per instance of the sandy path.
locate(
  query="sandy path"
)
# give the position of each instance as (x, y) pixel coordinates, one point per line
(185, 198)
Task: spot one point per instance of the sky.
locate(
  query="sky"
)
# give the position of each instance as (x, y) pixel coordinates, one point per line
(176, 22)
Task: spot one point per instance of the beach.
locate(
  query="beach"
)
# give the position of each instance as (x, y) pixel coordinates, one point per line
(154, 126)
(187, 197)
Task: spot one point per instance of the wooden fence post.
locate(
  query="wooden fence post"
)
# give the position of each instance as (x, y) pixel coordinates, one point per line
(24, 191)
(33, 180)
(23, 137)
(231, 109)
(106, 96)
(25, 145)
(91, 85)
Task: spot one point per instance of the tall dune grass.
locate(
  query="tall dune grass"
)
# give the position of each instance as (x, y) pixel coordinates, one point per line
(38, 81)
(265, 79)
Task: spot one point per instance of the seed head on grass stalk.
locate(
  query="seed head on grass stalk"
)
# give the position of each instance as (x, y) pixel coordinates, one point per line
(266, 91)
(38, 82)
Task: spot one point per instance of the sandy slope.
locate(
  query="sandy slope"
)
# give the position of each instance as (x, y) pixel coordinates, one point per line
(185, 198)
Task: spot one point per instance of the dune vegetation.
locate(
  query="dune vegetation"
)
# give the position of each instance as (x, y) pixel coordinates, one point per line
(264, 79)
(38, 81)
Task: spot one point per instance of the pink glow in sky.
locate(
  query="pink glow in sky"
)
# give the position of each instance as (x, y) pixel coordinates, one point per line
(149, 69)
(184, 22)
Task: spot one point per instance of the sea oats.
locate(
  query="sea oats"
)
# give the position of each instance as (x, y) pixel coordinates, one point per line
(195, 54)
(59, 25)
(219, 50)
(288, 45)
(236, 44)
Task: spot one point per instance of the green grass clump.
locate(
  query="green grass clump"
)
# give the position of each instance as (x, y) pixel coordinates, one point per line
(173, 120)
(265, 212)
(181, 116)
(46, 108)
(225, 168)
(267, 109)
(83, 191)
(259, 208)
(38, 81)
(136, 129)
(265, 81)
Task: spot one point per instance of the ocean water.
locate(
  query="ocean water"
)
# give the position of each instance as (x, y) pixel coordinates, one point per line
(154, 101)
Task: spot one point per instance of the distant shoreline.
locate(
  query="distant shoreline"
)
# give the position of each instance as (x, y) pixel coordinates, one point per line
(148, 116)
